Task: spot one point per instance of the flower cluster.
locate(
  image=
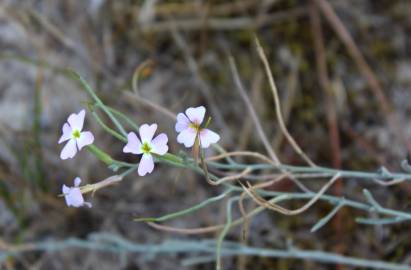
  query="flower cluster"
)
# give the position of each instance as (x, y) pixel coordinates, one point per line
(189, 127)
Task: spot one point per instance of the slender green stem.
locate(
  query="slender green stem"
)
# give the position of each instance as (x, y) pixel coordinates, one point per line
(115, 244)
(124, 117)
(187, 211)
(124, 164)
(100, 154)
(89, 90)
(224, 232)
(130, 170)
(315, 171)
(108, 129)
(328, 217)
(381, 221)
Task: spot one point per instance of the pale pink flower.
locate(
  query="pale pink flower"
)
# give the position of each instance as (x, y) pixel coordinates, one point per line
(73, 195)
(189, 125)
(72, 133)
(147, 146)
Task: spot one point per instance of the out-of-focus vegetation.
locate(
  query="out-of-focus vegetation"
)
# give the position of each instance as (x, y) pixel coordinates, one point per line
(345, 109)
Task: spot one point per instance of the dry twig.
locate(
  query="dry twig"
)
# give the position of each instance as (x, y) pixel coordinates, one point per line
(365, 69)
(270, 205)
(288, 136)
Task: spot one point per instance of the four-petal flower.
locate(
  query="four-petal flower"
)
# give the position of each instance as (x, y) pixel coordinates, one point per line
(73, 195)
(72, 133)
(189, 127)
(147, 146)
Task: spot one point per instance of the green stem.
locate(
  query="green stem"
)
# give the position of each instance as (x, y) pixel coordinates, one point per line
(108, 129)
(187, 211)
(125, 118)
(100, 154)
(91, 92)
(224, 232)
(315, 170)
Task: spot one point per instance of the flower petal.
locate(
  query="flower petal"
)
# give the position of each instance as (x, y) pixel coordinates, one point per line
(182, 122)
(77, 181)
(147, 132)
(146, 165)
(67, 130)
(76, 121)
(196, 115)
(69, 150)
(86, 138)
(208, 137)
(133, 144)
(187, 137)
(74, 197)
(65, 189)
(159, 144)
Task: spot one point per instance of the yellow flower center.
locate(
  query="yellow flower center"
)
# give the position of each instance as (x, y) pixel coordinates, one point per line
(194, 126)
(76, 134)
(146, 148)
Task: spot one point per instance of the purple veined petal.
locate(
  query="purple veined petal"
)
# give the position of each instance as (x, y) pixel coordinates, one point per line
(147, 132)
(133, 144)
(69, 150)
(86, 138)
(208, 137)
(66, 133)
(159, 144)
(74, 197)
(77, 181)
(146, 165)
(76, 121)
(182, 122)
(196, 115)
(187, 137)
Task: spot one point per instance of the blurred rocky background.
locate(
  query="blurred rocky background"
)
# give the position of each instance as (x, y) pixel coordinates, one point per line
(340, 123)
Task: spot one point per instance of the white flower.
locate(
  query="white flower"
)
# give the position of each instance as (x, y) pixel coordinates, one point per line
(189, 125)
(73, 195)
(147, 146)
(72, 133)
